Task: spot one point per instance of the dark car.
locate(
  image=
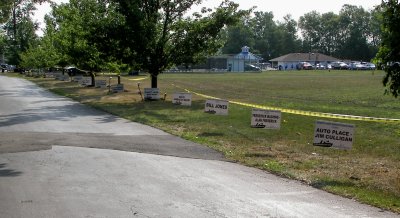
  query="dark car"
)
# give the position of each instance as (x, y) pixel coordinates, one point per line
(250, 67)
(4, 68)
(19, 70)
(73, 71)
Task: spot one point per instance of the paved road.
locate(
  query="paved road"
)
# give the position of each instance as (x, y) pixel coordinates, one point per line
(61, 159)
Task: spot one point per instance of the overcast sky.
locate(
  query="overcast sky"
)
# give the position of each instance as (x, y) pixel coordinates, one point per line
(280, 8)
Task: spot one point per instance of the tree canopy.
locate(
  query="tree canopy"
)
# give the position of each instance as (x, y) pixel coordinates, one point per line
(154, 35)
(160, 34)
(16, 20)
(388, 56)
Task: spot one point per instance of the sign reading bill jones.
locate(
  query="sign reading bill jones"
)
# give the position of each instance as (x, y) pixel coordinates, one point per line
(335, 135)
(266, 119)
(184, 99)
(218, 107)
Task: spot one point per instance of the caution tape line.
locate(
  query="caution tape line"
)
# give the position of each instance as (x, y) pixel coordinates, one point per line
(138, 79)
(300, 112)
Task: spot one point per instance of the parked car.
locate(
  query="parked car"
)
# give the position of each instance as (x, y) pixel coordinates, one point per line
(250, 67)
(320, 67)
(357, 66)
(73, 71)
(19, 70)
(370, 66)
(4, 68)
(304, 66)
(340, 65)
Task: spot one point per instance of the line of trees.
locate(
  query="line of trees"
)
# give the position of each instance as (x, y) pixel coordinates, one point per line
(154, 35)
(150, 35)
(352, 34)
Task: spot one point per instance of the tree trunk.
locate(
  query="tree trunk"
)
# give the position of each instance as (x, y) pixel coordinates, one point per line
(153, 81)
(92, 75)
(14, 22)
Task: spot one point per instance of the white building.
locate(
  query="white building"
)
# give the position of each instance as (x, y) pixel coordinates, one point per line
(238, 62)
(290, 61)
(244, 61)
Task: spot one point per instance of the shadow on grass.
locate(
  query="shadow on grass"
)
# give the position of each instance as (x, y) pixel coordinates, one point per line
(324, 183)
(210, 134)
(259, 155)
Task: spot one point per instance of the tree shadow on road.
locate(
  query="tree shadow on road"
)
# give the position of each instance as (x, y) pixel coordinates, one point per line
(57, 112)
(8, 172)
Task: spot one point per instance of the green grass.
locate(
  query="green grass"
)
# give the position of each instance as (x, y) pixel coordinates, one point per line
(370, 172)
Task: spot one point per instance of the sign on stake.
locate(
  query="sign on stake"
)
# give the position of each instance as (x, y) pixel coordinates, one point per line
(151, 94)
(335, 135)
(184, 99)
(266, 119)
(218, 107)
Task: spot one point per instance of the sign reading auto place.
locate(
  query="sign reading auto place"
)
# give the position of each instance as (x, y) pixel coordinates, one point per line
(218, 107)
(266, 119)
(335, 135)
(184, 99)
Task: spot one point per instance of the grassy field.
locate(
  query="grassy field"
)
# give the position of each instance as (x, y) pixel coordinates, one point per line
(369, 173)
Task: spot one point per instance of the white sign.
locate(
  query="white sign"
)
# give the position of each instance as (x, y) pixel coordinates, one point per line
(58, 76)
(49, 75)
(218, 107)
(101, 84)
(335, 135)
(86, 81)
(266, 119)
(184, 99)
(62, 77)
(65, 78)
(151, 94)
(78, 78)
(117, 88)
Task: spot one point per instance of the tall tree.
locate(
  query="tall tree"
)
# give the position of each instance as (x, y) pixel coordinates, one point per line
(82, 31)
(160, 34)
(265, 30)
(311, 28)
(3, 46)
(354, 25)
(388, 56)
(238, 36)
(351, 34)
(330, 33)
(265, 36)
(288, 31)
(17, 16)
(44, 53)
(374, 30)
(5, 10)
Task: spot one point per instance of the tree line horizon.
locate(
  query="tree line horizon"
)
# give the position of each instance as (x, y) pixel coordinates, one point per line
(155, 35)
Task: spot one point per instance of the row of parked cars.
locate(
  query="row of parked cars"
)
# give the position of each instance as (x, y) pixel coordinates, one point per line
(339, 65)
(6, 68)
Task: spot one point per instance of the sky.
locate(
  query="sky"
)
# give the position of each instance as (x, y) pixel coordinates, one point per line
(280, 8)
